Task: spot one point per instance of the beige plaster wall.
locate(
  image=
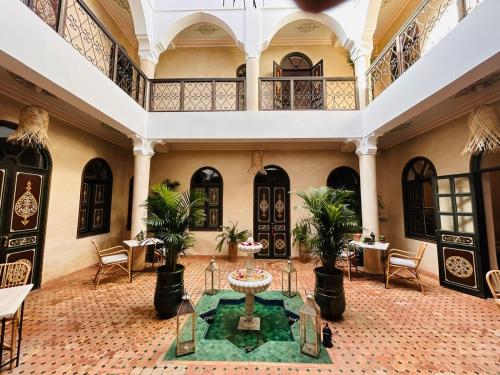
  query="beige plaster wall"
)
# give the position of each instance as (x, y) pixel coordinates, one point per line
(203, 62)
(305, 168)
(103, 16)
(334, 59)
(443, 146)
(222, 62)
(73, 148)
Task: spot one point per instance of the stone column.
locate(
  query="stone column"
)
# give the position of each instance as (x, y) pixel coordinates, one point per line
(148, 67)
(367, 152)
(143, 151)
(252, 83)
(361, 60)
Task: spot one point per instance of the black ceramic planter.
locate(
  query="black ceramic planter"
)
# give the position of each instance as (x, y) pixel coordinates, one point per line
(169, 289)
(329, 293)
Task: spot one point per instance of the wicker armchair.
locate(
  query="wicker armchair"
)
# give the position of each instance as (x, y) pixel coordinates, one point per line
(493, 280)
(348, 259)
(398, 260)
(109, 258)
(11, 275)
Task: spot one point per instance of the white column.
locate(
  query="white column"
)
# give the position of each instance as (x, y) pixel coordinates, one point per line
(143, 151)
(367, 152)
(252, 83)
(148, 68)
(361, 60)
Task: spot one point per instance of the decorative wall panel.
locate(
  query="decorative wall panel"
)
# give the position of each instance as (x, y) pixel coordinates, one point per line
(263, 238)
(264, 205)
(279, 204)
(460, 267)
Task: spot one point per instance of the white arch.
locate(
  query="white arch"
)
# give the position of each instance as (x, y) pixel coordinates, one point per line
(322, 18)
(192, 19)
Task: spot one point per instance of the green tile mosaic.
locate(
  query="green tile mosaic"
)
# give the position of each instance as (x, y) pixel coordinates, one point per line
(211, 346)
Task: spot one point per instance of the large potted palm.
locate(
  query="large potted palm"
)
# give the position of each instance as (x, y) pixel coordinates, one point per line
(231, 235)
(170, 215)
(332, 219)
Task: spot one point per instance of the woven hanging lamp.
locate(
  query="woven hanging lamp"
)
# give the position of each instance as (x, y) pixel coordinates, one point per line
(257, 164)
(484, 128)
(32, 129)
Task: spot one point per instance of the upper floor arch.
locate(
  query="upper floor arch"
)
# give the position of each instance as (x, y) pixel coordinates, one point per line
(176, 26)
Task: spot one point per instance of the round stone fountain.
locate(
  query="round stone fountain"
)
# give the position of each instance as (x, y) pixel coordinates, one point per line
(249, 280)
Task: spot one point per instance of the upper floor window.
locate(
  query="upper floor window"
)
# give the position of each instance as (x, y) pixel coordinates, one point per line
(241, 72)
(95, 198)
(207, 182)
(418, 199)
(297, 64)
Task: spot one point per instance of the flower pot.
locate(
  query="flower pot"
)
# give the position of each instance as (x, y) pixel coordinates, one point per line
(329, 293)
(169, 290)
(304, 253)
(232, 251)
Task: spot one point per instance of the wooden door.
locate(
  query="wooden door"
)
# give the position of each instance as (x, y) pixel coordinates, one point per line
(272, 213)
(24, 174)
(461, 261)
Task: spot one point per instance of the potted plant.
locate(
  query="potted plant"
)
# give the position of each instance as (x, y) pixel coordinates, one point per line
(231, 236)
(332, 220)
(301, 238)
(170, 215)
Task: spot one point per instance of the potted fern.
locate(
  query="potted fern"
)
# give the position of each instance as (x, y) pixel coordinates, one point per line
(170, 215)
(332, 220)
(302, 238)
(231, 236)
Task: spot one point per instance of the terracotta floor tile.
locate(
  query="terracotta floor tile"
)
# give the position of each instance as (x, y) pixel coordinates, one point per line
(72, 328)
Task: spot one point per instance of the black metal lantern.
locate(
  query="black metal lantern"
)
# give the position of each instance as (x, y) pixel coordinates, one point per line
(186, 338)
(212, 278)
(289, 280)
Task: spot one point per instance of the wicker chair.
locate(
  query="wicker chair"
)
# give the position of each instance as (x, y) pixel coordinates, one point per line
(11, 275)
(109, 258)
(398, 260)
(348, 259)
(493, 280)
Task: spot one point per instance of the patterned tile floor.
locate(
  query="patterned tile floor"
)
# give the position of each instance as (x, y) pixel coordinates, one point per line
(71, 328)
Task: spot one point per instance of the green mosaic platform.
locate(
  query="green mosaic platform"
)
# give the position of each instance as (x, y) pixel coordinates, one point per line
(211, 346)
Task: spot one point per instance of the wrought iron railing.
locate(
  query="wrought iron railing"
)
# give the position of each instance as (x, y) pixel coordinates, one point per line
(308, 93)
(74, 21)
(430, 22)
(194, 95)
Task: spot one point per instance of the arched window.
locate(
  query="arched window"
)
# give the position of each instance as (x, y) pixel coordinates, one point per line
(418, 199)
(95, 198)
(346, 178)
(241, 72)
(296, 61)
(207, 182)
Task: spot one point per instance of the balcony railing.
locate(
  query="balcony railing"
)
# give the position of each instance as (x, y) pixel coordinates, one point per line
(308, 93)
(430, 22)
(80, 27)
(194, 95)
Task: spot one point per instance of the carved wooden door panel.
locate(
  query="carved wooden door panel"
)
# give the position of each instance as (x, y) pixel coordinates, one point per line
(461, 260)
(23, 199)
(272, 216)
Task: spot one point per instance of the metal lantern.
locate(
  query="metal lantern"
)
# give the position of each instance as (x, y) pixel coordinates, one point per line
(289, 280)
(310, 327)
(212, 278)
(186, 338)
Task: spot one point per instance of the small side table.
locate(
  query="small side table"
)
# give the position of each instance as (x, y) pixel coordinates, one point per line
(11, 300)
(135, 245)
(381, 247)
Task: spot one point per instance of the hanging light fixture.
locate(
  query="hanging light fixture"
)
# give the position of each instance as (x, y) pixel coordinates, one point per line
(32, 128)
(484, 131)
(257, 164)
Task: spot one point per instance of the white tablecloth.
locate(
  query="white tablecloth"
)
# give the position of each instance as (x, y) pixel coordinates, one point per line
(11, 299)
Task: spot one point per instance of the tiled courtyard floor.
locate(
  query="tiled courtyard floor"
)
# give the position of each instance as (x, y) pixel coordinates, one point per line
(72, 328)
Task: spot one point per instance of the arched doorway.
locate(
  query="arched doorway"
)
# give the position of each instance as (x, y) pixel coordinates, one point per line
(348, 179)
(272, 212)
(24, 181)
(486, 176)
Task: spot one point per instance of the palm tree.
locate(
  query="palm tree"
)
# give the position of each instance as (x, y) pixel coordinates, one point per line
(170, 215)
(332, 218)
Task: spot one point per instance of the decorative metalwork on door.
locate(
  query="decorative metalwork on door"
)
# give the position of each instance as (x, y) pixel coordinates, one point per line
(272, 213)
(459, 254)
(24, 174)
